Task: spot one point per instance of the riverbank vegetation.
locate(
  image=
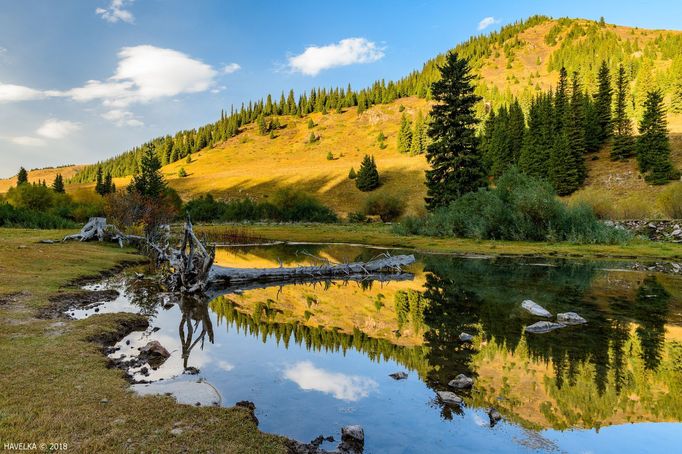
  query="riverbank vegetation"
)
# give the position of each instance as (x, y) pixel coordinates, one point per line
(58, 388)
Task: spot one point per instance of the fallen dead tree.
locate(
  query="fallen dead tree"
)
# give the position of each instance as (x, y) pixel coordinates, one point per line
(189, 269)
(98, 229)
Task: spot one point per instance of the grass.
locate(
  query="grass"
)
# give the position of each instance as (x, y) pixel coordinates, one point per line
(54, 379)
(381, 235)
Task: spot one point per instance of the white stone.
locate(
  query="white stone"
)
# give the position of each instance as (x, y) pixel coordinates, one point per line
(535, 309)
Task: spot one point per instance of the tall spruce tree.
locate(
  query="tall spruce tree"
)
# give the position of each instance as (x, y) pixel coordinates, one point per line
(99, 182)
(564, 172)
(454, 154)
(58, 184)
(517, 129)
(537, 143)
(367, 178)
(22, 176)
(603, 100)
(404, 134)
(419, 137)
(576, 129)
(149, 182)
(623, 145)
(653, 145)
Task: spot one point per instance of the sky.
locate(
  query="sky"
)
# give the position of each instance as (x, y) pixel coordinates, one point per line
(83, 80)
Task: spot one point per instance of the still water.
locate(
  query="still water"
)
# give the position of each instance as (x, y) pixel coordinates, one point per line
(317, 357)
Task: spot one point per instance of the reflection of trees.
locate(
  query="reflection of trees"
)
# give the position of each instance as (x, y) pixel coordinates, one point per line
(317, 338)
(195, 320)
(483, 297)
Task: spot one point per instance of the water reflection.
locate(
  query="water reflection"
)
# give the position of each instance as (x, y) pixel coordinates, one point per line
(342, 386)
(323, 351)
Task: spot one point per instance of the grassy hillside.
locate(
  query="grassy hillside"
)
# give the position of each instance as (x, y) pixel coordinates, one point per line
(46, 174)
(519, 60)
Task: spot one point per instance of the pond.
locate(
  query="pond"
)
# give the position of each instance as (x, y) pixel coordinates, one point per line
(314, 358)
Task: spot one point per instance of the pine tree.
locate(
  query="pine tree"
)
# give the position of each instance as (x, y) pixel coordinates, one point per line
(404, 134)
(653, 145)
(564, 172)
(311, 124)
(592, 128)
(367, 178)
(262, 127)
(602, 103)
(576, 129)
(623, 145)
(149, 182)
(419, 135)
(109, 185)
(537, 143)
(352, 175)
(22, 176)
(58, 184)
(454, 154)
(517, 129)
(676, 101)
(99, 182)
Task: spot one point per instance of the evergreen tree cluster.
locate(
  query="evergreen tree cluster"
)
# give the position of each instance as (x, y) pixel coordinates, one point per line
(413, 138)
(104, 184)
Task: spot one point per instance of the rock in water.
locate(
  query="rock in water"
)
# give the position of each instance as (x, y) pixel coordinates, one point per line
(494, 416)
(154, 353)
(465, 337)
(535, 309)
(543, 327)
(570, 318)
(352, 439)
(398, 375)
(449, 397)
(461, 382)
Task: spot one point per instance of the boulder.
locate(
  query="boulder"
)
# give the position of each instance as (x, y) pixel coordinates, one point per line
(461, 382)
(465, 337)
(449, 397)
(535, 309)
(570, 318)
(543, 327)
(154, 353)
(352, 439)
(494, 416)
(398, 375)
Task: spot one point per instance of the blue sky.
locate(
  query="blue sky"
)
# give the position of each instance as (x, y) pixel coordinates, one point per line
(82, 80)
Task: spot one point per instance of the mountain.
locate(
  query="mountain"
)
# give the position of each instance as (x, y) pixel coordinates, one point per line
(231, 158)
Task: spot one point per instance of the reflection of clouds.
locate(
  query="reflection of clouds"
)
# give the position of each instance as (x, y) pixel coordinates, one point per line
(341, 386)
(224, 365)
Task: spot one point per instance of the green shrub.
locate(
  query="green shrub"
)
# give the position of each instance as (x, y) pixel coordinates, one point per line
(23, 217)
(519, 208)
(386, 206)
(357, 217)
(352, 175)
(671, 201)
(285, 205)
(182, 173)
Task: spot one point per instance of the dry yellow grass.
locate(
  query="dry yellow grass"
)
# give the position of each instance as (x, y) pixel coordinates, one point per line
(46, 174)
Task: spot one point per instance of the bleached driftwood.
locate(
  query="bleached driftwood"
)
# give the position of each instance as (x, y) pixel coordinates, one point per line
(374, 268)
(98, 229)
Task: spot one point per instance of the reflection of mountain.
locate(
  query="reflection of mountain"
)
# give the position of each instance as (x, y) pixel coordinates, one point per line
(319, 338)
(618, 367)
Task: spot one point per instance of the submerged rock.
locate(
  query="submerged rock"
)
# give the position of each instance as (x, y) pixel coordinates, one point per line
(352, 439)
(398, 375)
(449, 397)
(570, 318)
(543, 327)
(466, 337)
(494, 416)
(461, 382)
(535, 309)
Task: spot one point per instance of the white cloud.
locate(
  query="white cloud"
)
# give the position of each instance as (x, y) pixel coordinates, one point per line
(116, 12)
(224, 365)
(346, 52)
(341, 386)
(230, 68)
(487, 22)
(122, 118)
(28, 141)
(11, 93)
(146, 73)
(57, 129)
